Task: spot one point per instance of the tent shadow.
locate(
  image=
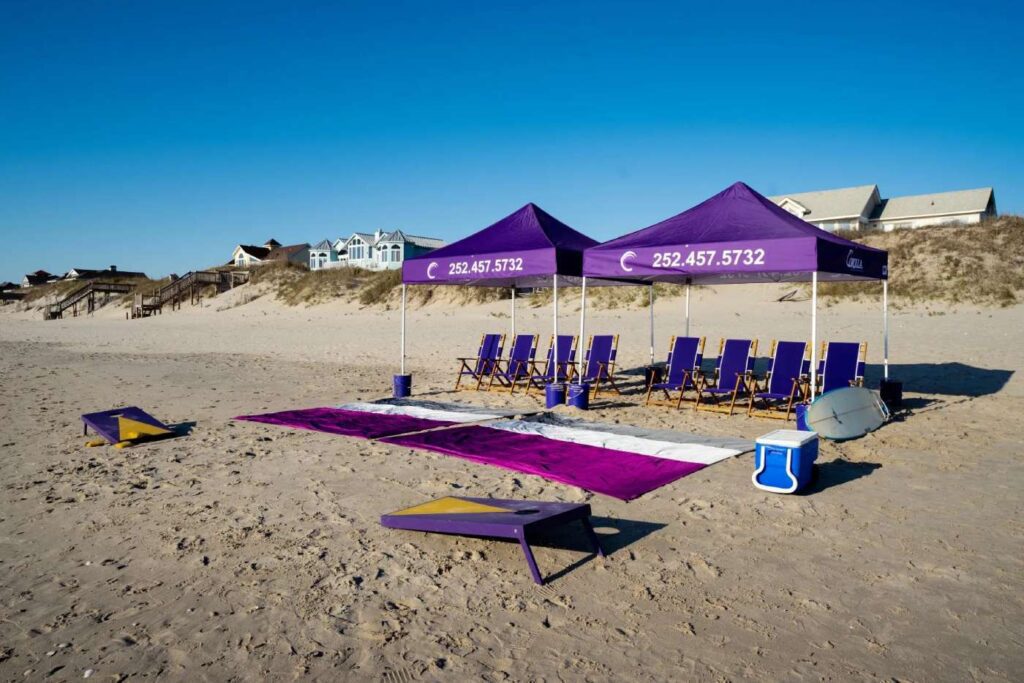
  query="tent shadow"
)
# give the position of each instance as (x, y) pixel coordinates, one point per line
(838, 472)
(945, 379)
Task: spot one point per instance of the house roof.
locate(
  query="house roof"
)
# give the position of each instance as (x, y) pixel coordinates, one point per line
(40, 277)
(282, 253)
(254, 251)
(400, 236)
(8, 285)
(323, 245)
(847, 202)
(86, 273)
(913, 206)
(271, 243)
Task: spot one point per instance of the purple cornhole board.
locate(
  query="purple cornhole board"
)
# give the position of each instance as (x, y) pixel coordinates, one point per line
(518, 520)
(105, 422)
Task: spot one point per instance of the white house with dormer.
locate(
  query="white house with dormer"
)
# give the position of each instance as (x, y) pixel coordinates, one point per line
(862, 207)
(382, 250)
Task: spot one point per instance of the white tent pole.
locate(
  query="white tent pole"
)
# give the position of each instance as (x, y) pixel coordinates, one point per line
(513, 314)
(554, 353)
(885, 328)
(583, 318)
(814, 333)
(687, 310)
(651, 301)
(403, 330)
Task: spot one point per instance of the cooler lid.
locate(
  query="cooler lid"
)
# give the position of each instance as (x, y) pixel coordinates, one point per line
(788, 438)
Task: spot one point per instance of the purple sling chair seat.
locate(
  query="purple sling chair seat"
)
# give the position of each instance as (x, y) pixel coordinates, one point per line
(544, 373)
(842, 365)
(731, 376)
(481, 365)
(784, 382)
(599, 362)
(684, 357)
(516, 367)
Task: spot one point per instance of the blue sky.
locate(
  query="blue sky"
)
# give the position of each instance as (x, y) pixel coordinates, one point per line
(157, 135)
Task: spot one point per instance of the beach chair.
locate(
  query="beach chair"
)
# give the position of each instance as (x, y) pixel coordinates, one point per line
(784, 383)
(684, 356)
(542, 373)
(482, 364)
(842, 365)
(510, 371)
(730, 378)
(599, 362)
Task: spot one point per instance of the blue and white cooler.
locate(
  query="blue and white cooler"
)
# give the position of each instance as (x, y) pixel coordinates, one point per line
(784, 460)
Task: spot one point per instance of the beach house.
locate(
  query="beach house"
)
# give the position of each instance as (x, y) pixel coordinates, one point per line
(382, 250)
(40, 277)
(246, 255)
(863, 208)
(323, 255)
(92, 273)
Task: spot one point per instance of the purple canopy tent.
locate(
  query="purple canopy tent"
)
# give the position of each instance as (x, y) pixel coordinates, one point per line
(528, 248)
(738, 236)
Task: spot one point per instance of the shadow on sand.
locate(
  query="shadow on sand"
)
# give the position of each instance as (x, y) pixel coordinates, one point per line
(838, 472)
(943, 379)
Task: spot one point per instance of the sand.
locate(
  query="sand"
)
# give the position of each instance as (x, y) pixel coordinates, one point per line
(245, 551)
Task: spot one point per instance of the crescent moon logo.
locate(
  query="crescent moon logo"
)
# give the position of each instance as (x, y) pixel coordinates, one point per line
(622, 261)
(430, 270)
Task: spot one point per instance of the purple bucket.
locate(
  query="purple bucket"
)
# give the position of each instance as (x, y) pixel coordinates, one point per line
(554, 395)
(578, 396)
(801, 418)
(402, 385)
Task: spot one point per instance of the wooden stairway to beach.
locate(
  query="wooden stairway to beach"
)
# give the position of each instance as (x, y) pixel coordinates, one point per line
(190, 284)
(85, 296)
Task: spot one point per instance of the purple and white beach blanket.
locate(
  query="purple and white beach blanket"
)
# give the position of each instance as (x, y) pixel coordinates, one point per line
(624, 463)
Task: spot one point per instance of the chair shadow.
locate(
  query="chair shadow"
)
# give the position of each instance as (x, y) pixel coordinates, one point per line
(613, 535)
(944, 379)
(838, 472)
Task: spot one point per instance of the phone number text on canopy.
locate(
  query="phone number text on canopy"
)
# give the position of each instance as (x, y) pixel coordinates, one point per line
(708, 258)
(484, 266)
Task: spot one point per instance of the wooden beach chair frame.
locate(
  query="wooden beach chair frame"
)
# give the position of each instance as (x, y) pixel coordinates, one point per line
(605, 369)
(514, 369)
(799, 389)
(539, 369)
(742, 383)
(688, 378)
(482, 366)
(857, 380)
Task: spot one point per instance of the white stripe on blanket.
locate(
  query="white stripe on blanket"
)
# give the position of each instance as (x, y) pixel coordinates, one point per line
(421, 412)
(683, 452)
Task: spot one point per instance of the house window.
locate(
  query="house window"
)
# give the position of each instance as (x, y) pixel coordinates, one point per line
(356, 252)
(396, 253)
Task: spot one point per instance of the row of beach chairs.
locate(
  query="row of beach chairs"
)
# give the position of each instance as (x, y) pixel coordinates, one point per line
(772, 393)
(731, 378)
(490, 368)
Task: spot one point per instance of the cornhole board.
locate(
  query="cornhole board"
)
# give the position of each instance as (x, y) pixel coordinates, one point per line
(122, 425)
(493, 518)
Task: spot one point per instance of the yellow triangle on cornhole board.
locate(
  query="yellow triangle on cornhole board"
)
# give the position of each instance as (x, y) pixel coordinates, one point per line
(449, 506)
(133, 429)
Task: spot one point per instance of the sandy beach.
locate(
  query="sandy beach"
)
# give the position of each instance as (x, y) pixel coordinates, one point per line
(246, 551)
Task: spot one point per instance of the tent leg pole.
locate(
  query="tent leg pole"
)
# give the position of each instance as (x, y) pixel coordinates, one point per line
(814, 333)
(583, 318)
(687, 333)
(403, 330)
(513, 314)
(651, 302)
(885, 328)
(554, 306)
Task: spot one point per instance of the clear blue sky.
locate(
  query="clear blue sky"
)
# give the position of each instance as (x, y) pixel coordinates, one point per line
(157, 135)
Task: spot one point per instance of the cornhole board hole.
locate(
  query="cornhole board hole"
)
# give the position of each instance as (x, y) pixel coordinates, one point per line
(125, 425)
(493, 518)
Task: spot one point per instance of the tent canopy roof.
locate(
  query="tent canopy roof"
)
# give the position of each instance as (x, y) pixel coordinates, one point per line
(735, 236)
(524, 249)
